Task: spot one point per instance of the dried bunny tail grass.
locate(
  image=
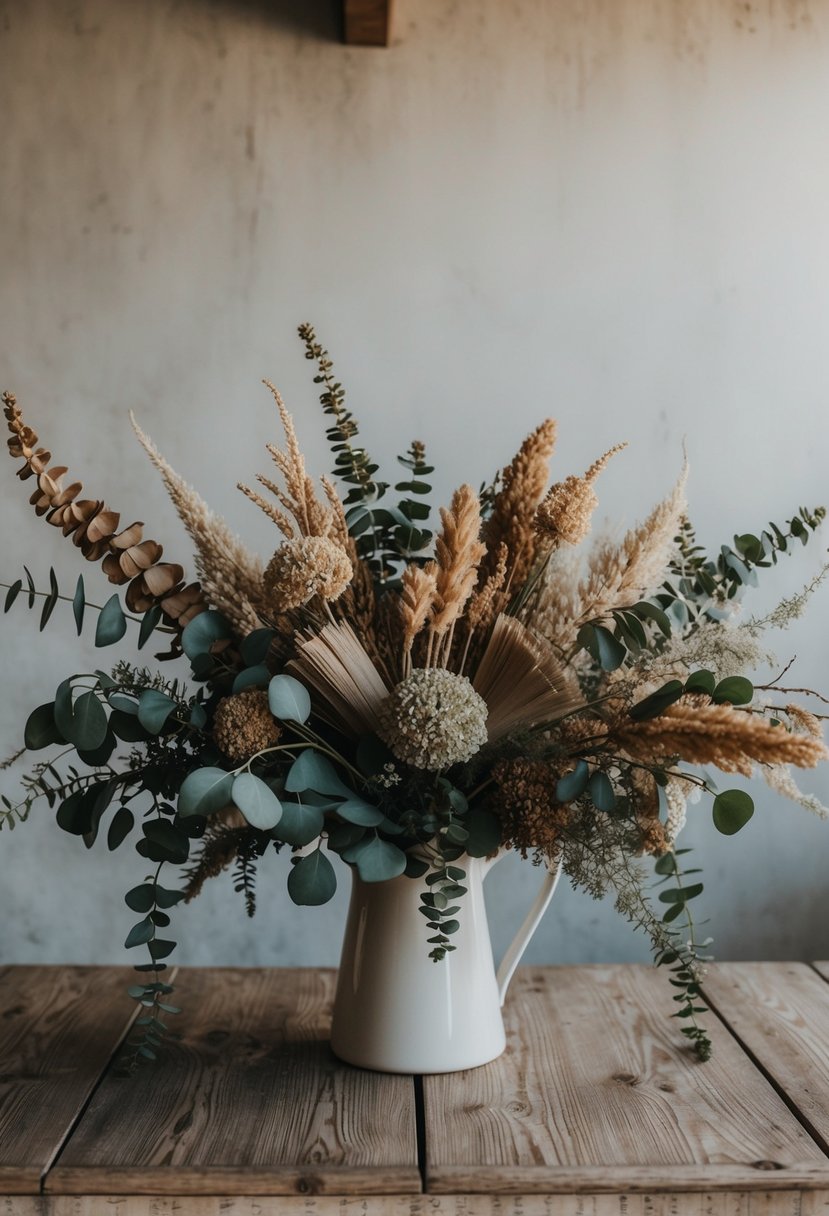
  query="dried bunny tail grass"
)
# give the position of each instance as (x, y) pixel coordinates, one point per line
(521, 681)
(458, 551)
(230, 576)
(567, 508)
(778, 777)
(125, 556)
(511, 522)
(731, 739)
(417, 595)
(349, 688)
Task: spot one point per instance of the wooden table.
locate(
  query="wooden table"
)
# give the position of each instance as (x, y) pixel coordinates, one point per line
(594, 1109)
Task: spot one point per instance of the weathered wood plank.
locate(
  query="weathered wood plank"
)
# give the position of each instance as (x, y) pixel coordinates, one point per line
(780, 1013)
(756, 1203)
(59, 1028)
(594, 1086)
(367, 22)
(251, 1101)
(822, 969)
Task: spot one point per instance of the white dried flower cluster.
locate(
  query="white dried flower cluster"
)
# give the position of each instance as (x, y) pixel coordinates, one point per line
(677, 807)
(721, 647)
(303, 568)
(778, 777)
(791, 608)
(388, 777)
(434, 719)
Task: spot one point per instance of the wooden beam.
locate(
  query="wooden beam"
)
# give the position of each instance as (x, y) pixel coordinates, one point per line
(367, 22)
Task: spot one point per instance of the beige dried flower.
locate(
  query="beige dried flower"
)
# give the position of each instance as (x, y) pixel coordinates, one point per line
(303, 568)
(433, 719)
(244, 725)
(731, 739)
(568, 506)
(523, 484)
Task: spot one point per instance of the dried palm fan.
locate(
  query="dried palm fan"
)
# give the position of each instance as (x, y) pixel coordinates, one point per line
(520, 680)
(335, 664)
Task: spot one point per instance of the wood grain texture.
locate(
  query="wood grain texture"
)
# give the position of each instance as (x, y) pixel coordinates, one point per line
(595, 1085)
(780, 1013)
(756, 1203)
(367, 22)
(250, 1101)
(59, 1028)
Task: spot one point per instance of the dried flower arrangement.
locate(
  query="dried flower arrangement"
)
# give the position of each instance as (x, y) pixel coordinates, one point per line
(402, 699)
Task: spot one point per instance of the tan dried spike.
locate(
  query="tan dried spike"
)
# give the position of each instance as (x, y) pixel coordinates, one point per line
(298, 498)
(231, 577)
(416, 597)
(93, 527)
(458, 551)
(731, 739)
(524, 481)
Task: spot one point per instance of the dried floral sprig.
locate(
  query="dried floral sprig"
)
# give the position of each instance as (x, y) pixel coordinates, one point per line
(231, 576)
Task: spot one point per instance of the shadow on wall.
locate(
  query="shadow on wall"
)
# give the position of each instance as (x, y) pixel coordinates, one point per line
(321, 20)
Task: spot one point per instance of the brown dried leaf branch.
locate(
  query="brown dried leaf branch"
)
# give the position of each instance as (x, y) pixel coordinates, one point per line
(126, 557)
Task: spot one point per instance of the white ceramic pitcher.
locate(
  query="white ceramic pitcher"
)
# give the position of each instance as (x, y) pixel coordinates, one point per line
(396, 1010)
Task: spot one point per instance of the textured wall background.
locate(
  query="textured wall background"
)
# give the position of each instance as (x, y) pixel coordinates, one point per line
(609, 210)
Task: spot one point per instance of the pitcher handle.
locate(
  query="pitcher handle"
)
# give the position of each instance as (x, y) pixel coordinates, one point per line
(522, 938)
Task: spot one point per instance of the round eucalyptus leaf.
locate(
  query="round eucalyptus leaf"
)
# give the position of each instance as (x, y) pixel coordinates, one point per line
(204, 791)
(204, 629)
(257, 802)
(601, 792)
(300, 824)
(41, 730)
(735, 689)
(112, 624)
(89, 723)
(572, 785)
(154, 708)
(376, 860)
(312, 880)
(732, 810)
(354, 810)
(251, 677)
(289, 700)
(311, 771)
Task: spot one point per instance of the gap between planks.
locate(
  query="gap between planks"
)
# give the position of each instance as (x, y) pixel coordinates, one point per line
(714, 996)
(70, 1131)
